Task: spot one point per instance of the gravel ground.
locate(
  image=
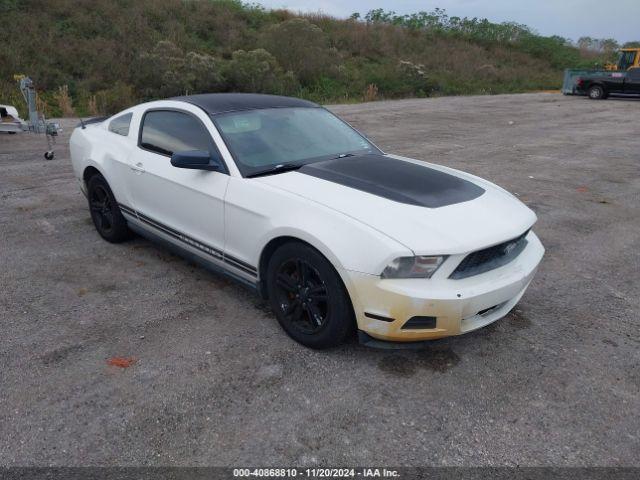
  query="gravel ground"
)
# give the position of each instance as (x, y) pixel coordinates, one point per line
(216, 382)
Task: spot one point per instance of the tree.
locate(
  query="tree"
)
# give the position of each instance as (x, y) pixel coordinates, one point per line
(609, 46)
(258, 71)
(166, 71)
(301, 47)
(585, 43)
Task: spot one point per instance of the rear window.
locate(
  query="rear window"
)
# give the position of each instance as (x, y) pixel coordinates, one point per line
(120, 125)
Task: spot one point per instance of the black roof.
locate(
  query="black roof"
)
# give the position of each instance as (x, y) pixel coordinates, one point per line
(213, 103)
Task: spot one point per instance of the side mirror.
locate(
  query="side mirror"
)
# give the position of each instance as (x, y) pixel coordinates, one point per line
(196, 160)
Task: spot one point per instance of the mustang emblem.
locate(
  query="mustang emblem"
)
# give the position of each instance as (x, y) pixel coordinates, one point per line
(510, 247)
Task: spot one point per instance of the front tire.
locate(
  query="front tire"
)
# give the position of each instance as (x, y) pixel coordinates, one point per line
(308, 297)
(105, 213)
(596, 92)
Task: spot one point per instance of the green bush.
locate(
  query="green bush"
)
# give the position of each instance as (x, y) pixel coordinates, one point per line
(115, 98)
(258, 71)
(166, 71)
(301, 47)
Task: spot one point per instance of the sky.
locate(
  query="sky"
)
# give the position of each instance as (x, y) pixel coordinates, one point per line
(619, 19)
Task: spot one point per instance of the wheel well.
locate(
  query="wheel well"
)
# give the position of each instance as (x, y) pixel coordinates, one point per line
(268, 251)
(88, 173)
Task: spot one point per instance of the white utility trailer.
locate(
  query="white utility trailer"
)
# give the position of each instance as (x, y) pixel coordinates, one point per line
(10, 121)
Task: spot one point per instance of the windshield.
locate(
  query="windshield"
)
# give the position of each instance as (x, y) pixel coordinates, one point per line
(626, 60)
(261, 140)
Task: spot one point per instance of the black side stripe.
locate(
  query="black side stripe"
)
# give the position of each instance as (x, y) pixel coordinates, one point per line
(214, 252)
(126, 209)
(240, 265)
(203, 247)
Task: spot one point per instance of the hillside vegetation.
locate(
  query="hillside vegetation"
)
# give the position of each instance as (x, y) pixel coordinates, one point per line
(92, 57)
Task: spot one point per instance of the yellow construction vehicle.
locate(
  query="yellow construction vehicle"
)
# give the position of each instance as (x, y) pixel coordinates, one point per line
(629, 58)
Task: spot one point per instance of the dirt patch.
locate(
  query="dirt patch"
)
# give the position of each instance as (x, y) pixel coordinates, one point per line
(518, 319)
(436, 359)
(399, 365)
(60, 354)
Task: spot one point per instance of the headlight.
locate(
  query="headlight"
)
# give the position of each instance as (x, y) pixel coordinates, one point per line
(413, 267)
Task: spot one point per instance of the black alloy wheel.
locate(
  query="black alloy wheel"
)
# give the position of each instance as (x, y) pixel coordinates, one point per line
(308, 297)
(105, 213)
(101, 209)
(302, 295)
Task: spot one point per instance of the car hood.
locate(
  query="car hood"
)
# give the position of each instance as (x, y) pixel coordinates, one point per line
(428, 208)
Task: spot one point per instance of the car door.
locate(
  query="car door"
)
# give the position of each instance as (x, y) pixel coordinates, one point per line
(614, 82)
(183, 204)
(632, 82)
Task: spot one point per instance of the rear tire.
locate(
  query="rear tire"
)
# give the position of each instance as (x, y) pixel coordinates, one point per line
(105, 213)
(308, 297)
(596, 92)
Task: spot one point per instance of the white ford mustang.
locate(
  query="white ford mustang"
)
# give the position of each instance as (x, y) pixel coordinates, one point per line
(282, 195)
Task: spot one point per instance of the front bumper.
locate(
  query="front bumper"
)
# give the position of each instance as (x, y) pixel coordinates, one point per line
(458, 306)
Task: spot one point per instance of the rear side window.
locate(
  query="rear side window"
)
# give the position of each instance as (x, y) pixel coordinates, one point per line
(166, 132)
(120, 125)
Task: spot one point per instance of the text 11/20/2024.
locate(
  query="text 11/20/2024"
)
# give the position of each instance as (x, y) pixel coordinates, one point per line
(316, 472)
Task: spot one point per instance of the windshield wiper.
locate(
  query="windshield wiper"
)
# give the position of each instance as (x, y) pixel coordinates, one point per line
(343, 155)
(275, 170)
(287, 167)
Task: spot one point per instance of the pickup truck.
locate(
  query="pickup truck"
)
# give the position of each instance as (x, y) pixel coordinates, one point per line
(599, 85)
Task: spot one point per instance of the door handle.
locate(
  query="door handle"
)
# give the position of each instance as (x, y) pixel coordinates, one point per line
(138, 167)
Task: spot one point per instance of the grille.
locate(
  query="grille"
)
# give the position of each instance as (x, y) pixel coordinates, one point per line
(490, 258)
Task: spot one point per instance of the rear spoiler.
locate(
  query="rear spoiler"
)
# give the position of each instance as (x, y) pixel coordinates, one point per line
(89, 121)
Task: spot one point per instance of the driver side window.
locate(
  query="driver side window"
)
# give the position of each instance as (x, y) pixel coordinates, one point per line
(168, 131)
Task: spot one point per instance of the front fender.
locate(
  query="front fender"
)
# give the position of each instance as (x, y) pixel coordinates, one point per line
(256, 213)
